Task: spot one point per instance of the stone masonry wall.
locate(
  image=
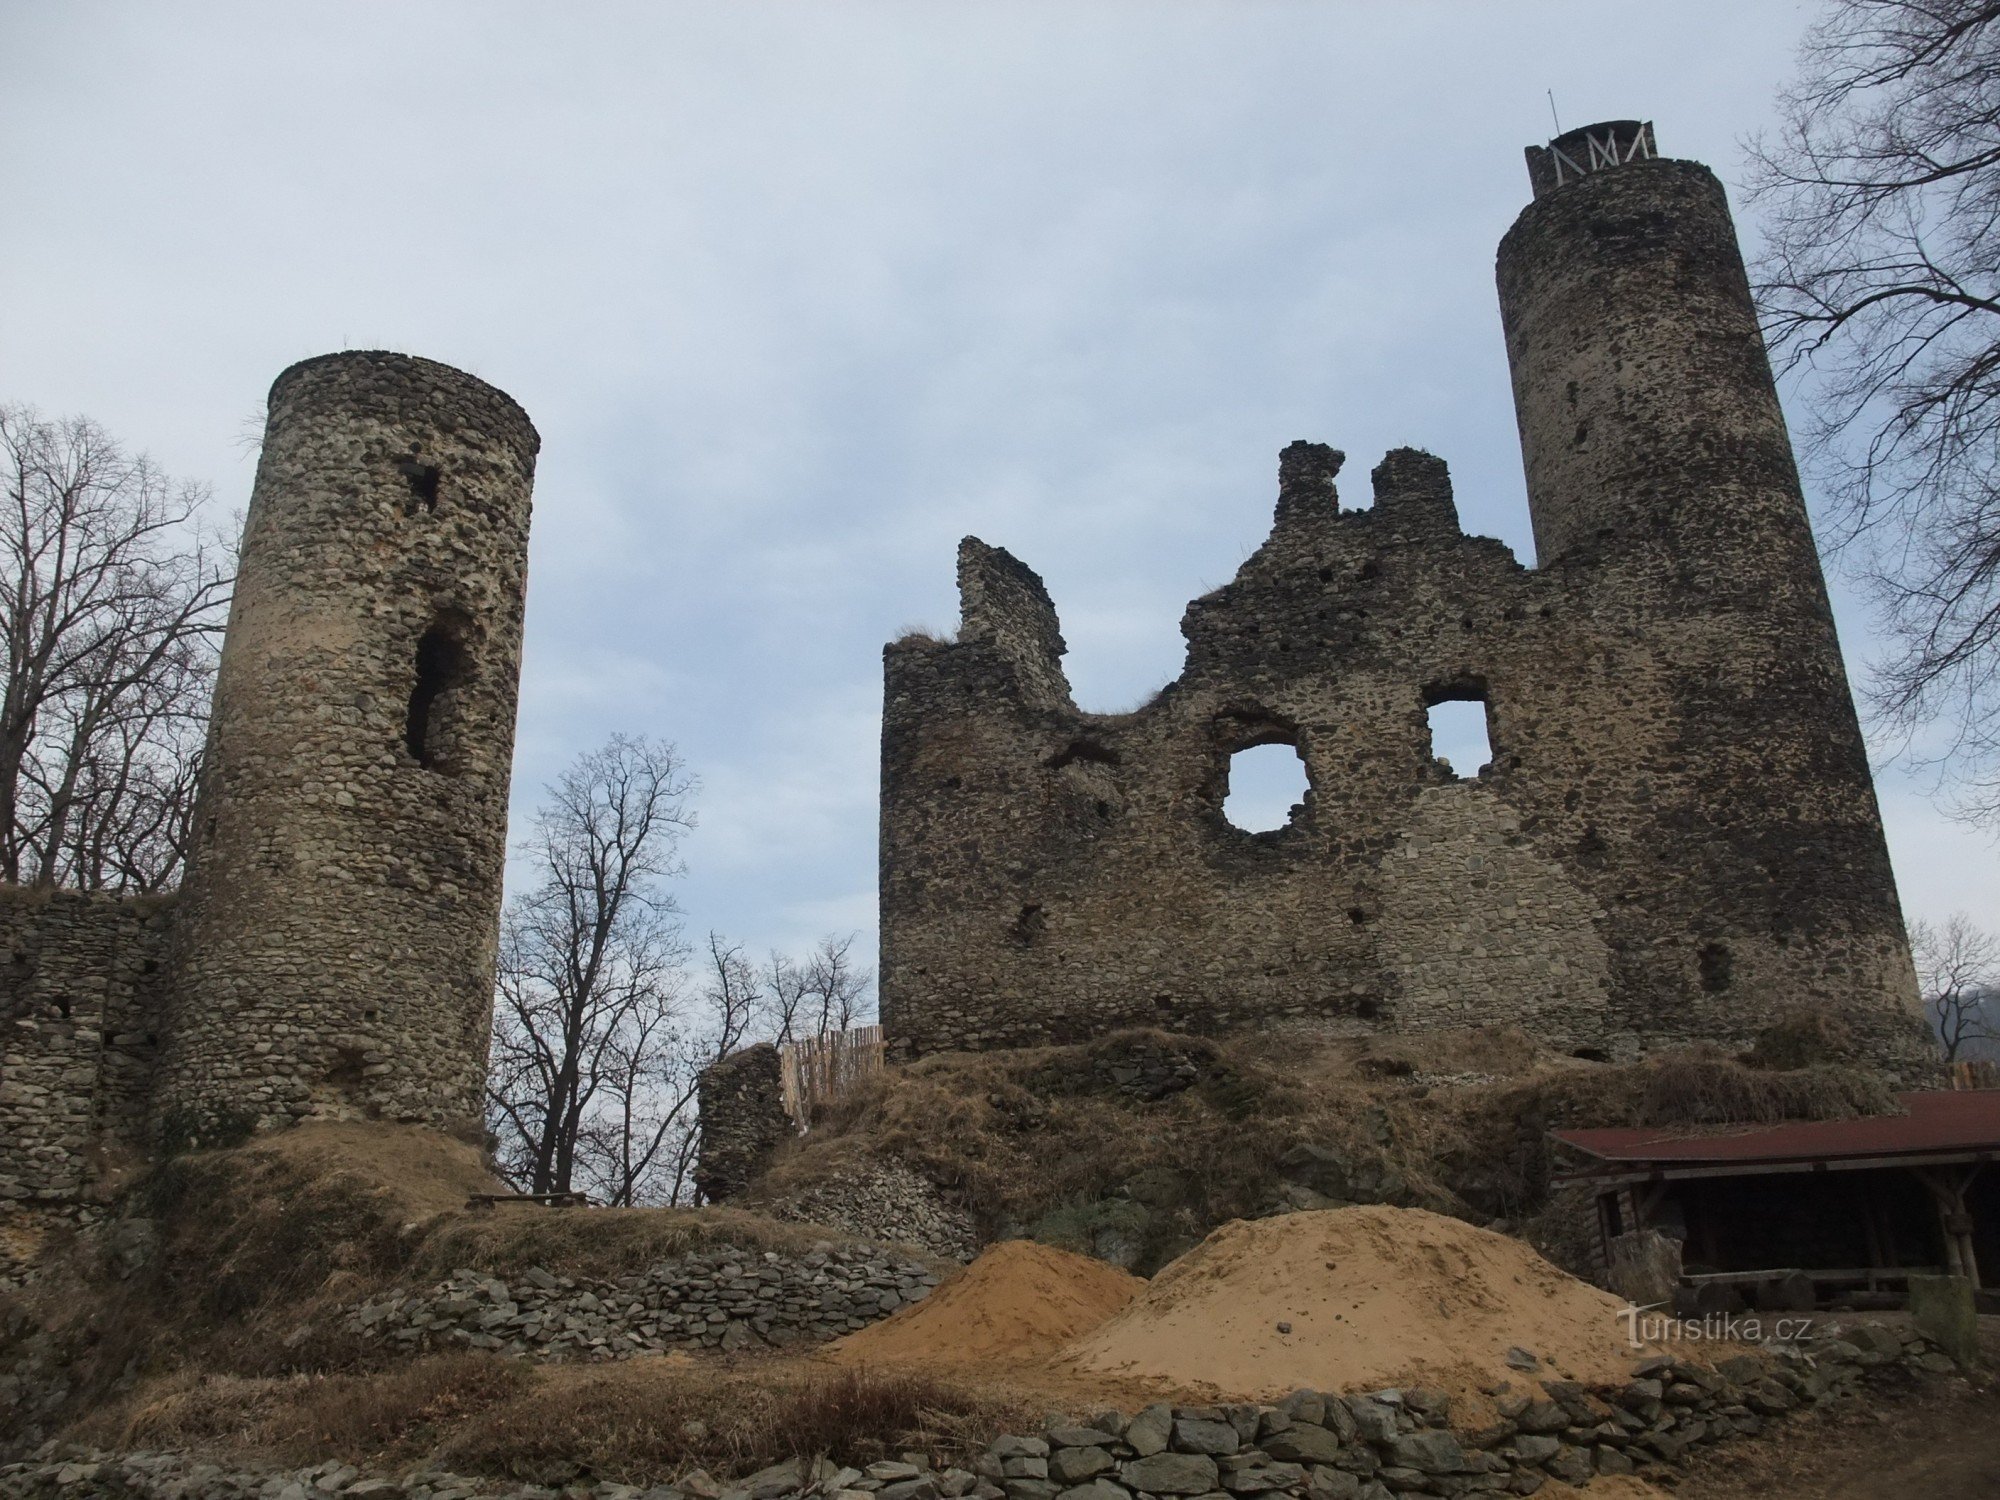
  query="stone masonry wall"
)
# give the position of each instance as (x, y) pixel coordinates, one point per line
(724, 1298)
(79, 1019)
(1676, 840)
(340, 916)
(742, 1120)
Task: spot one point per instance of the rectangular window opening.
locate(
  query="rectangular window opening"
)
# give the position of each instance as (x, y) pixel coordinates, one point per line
(1461, 734)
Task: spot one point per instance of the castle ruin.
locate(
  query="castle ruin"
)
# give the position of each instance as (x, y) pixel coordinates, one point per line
(331, 950)
(1677, 838)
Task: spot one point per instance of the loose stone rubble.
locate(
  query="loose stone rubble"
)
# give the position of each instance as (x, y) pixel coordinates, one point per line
(724, 1298)
(1311, 1445)
(880, 1198)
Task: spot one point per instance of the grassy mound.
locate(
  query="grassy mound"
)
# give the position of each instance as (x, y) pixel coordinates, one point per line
(233, 1265)
(1051, 1144)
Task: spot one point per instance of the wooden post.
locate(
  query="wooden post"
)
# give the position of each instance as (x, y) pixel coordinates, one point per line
(1954, 1219)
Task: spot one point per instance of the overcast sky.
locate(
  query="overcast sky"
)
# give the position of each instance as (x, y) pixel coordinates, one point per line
(798, 295)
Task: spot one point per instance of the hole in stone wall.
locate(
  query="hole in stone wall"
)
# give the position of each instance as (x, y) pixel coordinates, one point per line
(1266, 784)
(1028, 924)
(1459, 735)
(423, 481)
(1717, 964)
(442, 667)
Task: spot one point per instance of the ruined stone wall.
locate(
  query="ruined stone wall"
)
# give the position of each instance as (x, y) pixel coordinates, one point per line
(1677, 837)
(743, 1120)
(80, 999)
(340, 916)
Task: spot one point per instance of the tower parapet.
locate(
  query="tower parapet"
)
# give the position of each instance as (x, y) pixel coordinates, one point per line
(334, 946)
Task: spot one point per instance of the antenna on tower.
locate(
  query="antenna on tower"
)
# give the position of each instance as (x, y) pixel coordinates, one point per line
(1552, 112)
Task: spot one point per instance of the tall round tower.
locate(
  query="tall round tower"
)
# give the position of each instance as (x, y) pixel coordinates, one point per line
(1648, 414)
(1748, 858)
(335, 942)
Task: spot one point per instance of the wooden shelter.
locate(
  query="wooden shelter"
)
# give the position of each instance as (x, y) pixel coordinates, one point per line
(1851, 1206)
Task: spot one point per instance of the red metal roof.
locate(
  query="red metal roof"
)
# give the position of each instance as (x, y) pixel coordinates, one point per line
(1936, 1122)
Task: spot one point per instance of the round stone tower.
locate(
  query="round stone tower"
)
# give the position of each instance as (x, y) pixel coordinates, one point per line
(1664, 495)
(335, 942)
(1649, 419)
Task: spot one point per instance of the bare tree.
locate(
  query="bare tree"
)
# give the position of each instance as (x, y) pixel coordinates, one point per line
(835, 989)
(809, 999)
(112, 603)
(1880, 286)
(590, 986)
(1958, 968)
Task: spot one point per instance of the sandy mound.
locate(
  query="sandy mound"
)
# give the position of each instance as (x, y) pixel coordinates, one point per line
(1018, 1298)
(1353, 1298)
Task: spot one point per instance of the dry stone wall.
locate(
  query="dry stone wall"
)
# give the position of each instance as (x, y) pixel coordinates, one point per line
(80, 1007)
(726, 1298)
(1310, 1446)
(1676, 840)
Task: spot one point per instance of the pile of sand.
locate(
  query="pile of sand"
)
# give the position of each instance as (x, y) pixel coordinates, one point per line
(1353, 1299)
(1019, 1298)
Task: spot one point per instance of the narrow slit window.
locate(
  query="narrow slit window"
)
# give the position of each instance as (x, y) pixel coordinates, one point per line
(1267, 786)
(1460, 735)
(440, 670)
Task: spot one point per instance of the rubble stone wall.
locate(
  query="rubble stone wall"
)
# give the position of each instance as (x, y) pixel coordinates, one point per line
(80, 999)
(743, 1120)
(724, 1298)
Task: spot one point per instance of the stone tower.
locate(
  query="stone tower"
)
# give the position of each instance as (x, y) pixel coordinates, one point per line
(1658, 464)
(334, 947)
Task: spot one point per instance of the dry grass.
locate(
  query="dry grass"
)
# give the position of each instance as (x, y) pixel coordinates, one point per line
(634, 1422)
(261, 1246)
(641, 1421)
(1034, 1142)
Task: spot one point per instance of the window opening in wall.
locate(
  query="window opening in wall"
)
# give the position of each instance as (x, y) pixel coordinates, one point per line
(1459, 734)
(1265, 783)
(423, 482)
(441, 667)
(1717, 964)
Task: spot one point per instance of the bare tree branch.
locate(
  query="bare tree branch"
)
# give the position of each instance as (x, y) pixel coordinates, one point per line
(1880, 288)
(590, 993)
(112, 603)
